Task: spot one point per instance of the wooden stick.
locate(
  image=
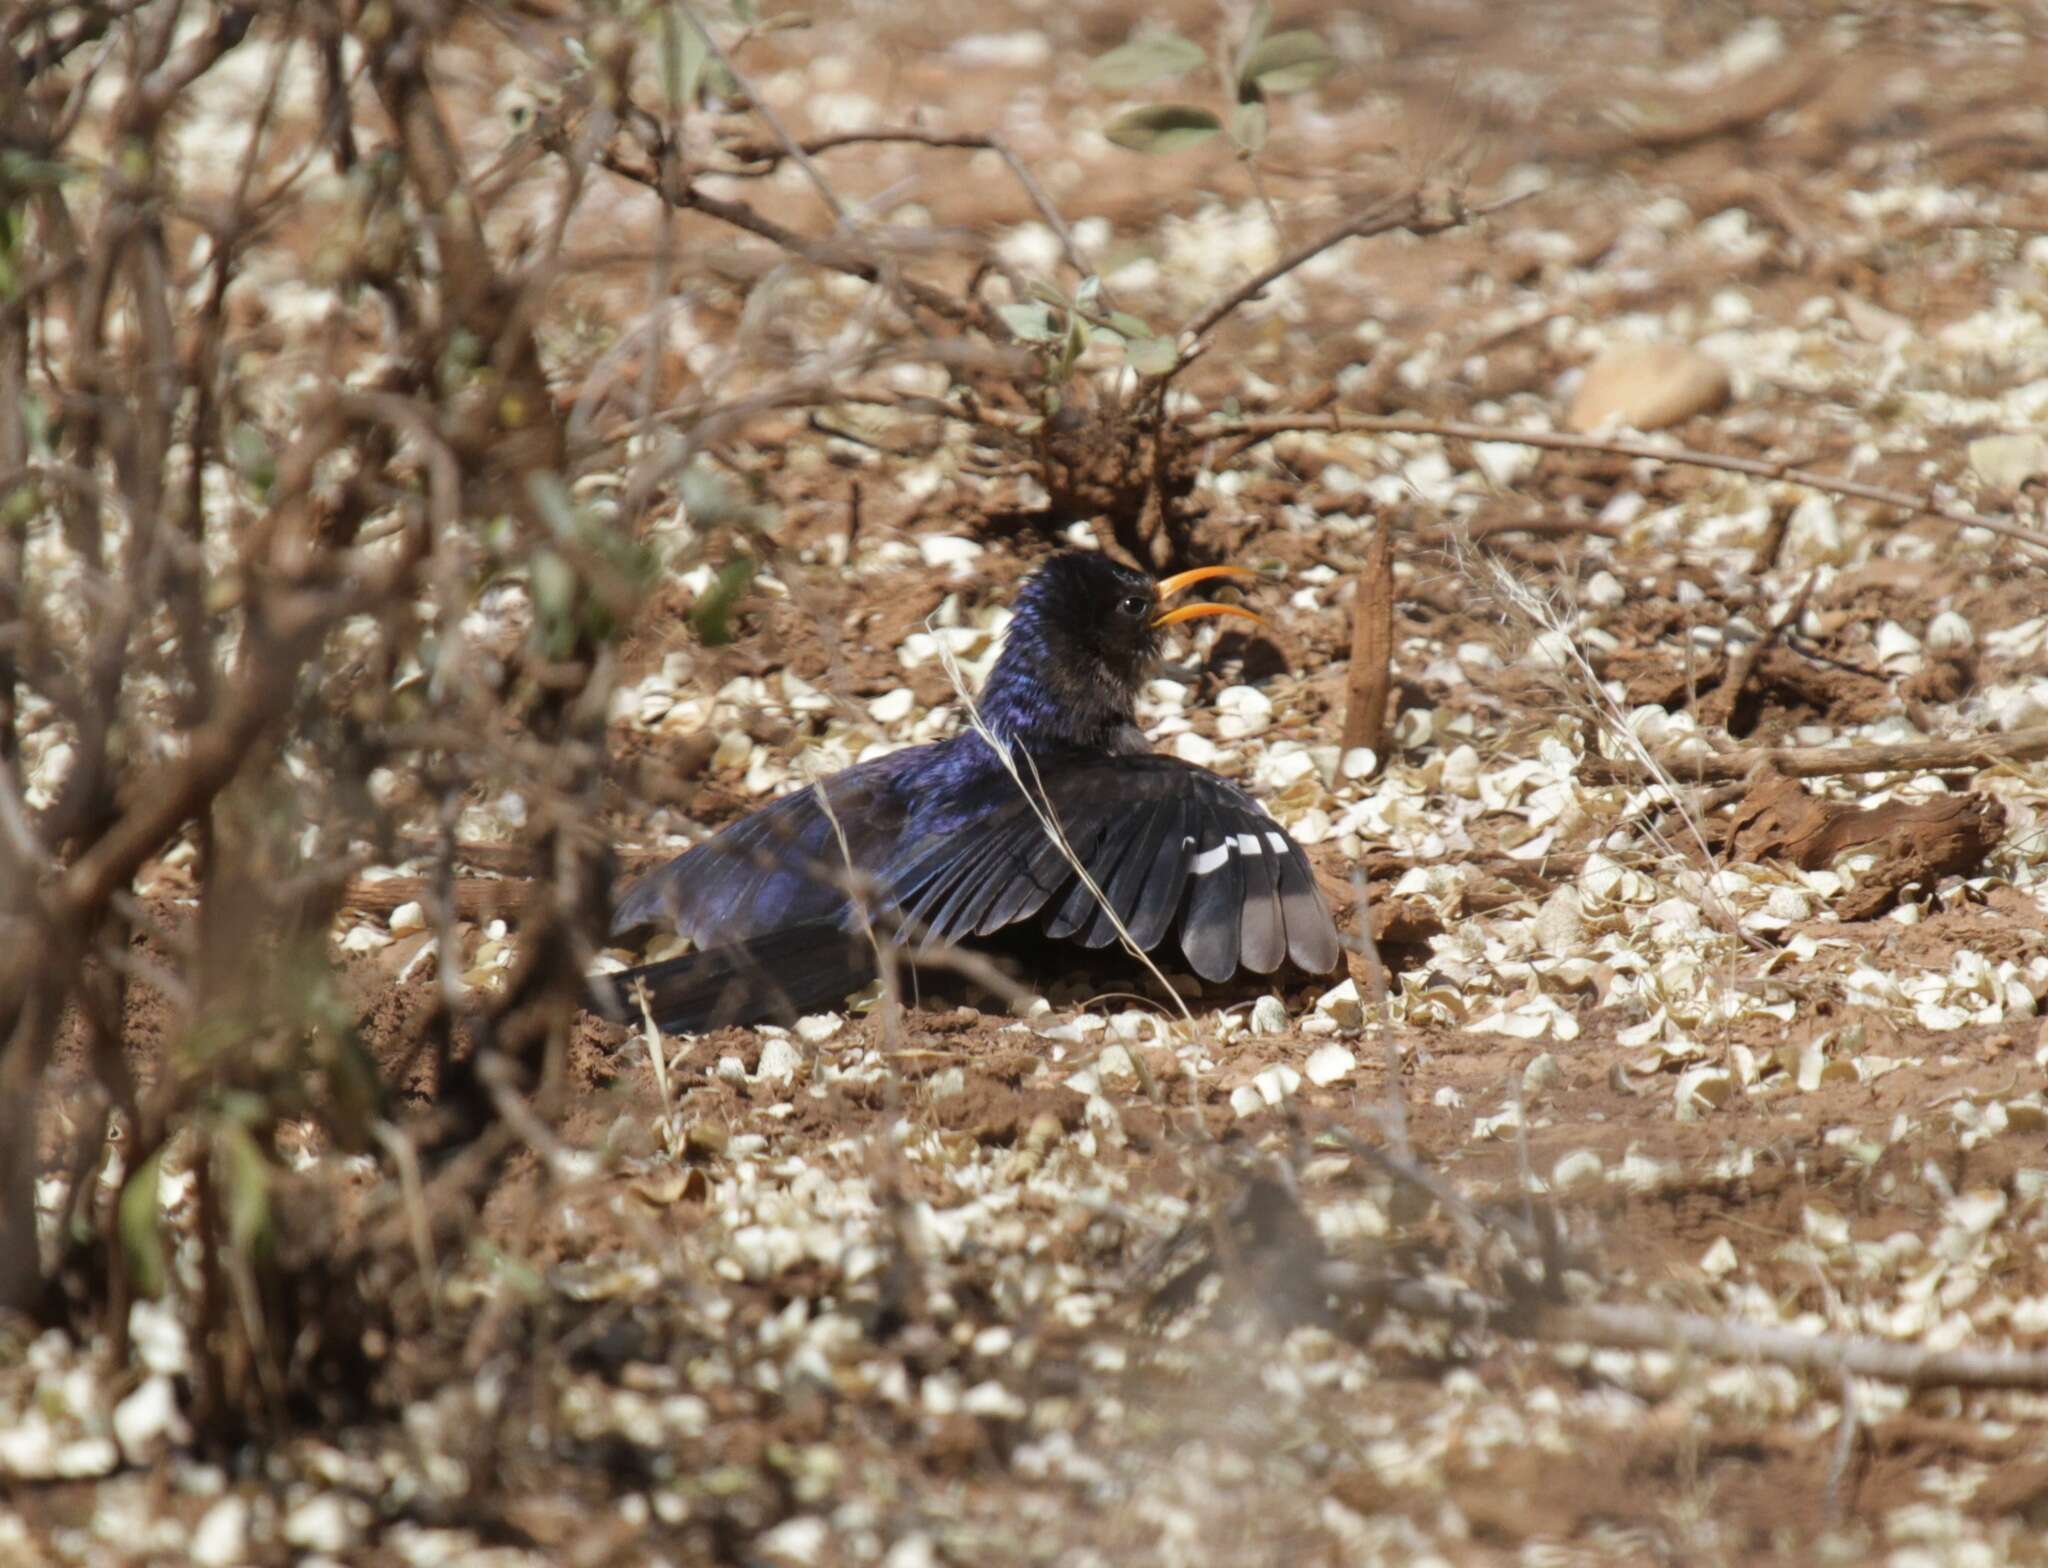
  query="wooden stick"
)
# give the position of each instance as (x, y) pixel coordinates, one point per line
(1650, 1328)
(1720, 706)
(1814, 762)
(515, 859)
(475, 898)
(1421, 211)
(767, 158)
(1370, 682)
(1762, 468)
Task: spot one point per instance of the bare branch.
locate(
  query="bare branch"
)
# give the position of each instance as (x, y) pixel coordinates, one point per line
(1719, 1339)
(1813, 762)
(1265, 427)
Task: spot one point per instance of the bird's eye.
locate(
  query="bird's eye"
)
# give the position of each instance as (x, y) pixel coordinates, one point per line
(1131, 604)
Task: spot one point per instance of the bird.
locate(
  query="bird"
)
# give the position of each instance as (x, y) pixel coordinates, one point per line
(951, 842)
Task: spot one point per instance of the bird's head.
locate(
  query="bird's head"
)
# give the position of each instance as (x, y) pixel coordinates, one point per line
(1085, 637)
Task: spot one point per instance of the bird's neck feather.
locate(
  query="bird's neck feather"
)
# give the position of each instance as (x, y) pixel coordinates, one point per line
(1036, 698)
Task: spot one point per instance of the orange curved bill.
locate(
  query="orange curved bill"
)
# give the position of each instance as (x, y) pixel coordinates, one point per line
(1181, 581)
(1190, 612)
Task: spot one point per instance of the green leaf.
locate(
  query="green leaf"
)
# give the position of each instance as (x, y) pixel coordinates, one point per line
(1152, 356)
(1049, 292)
(553, 586)
(711, 616)
(35, 424)
(1285, 63)
(249, 448)
(142, 1227)
(18, 505)
(24, 171)
(247, 1180)
(684, 54)
(1142, 60)
(1162, 127)
(1075, 346)
(520, 1276)
(1030, 320)
(1128, 325)
(1248, 128)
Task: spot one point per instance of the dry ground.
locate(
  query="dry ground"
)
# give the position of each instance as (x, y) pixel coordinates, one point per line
(996, 1290)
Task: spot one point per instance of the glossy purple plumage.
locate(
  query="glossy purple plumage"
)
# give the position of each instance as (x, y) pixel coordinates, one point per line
(944, 847)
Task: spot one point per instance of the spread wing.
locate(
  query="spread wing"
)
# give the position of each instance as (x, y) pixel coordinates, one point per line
(779, 867)
(1177, 852)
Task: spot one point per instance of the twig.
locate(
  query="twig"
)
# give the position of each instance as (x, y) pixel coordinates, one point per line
(471, 898)
(1399, 1164)
(1393, 1117)
(682, 194)
(657, 1058)
(1652, 1328)
(910, 135)
(497, 1074)
(419, 1229)
(1814, 762)
(886, 957)
(1268, 425)
(1845, 1444)
(1722, 703)
(760, 106)
(1391, 212)
(1765, 557)
(1369, 682)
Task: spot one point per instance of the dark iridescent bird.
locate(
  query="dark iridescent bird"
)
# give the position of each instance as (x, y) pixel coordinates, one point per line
(947, 848)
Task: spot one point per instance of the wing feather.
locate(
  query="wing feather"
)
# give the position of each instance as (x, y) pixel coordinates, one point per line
(1264, 941)
(1181, 856)
(1312, 941)
(944, 915)
(1100, 852)
(1209, 931)
(1126, 885)
(1166, 879)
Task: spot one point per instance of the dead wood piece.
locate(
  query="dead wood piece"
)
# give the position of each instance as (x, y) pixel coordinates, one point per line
(1652, 1328)
(1916, 841)
(1816, 762)
(476, 898)
(1652, 676)
(1834, 691)
(1946, 677)
(517, 860)
(1370, 683)
(1718, 707)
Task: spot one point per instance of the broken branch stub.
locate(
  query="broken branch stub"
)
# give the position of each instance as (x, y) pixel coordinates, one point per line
(1369, 688)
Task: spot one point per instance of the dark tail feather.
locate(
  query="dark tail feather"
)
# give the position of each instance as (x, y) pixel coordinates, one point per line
(775, 978)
